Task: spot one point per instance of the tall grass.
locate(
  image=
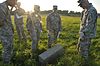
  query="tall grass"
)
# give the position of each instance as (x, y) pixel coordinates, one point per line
(68, 39)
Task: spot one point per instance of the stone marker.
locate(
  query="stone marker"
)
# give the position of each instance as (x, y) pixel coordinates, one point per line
(51, 54)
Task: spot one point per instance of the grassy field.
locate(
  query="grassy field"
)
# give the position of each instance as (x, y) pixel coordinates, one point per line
(68, 39)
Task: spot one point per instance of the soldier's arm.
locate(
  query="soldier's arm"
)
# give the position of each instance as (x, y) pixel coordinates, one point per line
(40, 22)
(48, 22)
(27, 22)
(82, 14)
(2, 17)
(60, 23)
(90, 22)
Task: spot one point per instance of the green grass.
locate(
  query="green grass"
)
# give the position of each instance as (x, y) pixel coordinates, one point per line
(68, 39)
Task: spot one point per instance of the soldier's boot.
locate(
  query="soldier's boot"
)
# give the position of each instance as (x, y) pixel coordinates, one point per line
(49, 45)
(34, 54)
(85, 61)
(34, 48)
(35, 57)
(6, 63)
(85, 64)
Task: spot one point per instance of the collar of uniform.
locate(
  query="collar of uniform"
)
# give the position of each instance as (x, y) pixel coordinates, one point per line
(90, 5)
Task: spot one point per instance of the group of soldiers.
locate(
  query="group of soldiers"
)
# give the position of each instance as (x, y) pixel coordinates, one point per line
(34, 27)
(33, 24)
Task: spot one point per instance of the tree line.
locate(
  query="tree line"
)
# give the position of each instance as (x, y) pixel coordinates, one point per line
(62, 12)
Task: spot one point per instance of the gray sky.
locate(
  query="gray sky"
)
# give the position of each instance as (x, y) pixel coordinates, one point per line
(62, 4)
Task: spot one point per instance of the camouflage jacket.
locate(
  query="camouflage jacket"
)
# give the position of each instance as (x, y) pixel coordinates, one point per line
(6, 27)
(18, 18)
(89, 22)
(53, 21)
(34, 21)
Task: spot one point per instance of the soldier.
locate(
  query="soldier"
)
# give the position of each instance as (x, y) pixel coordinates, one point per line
(87, 28)
(34, 26)
(19, 22)
(53, 23)
(6, 29)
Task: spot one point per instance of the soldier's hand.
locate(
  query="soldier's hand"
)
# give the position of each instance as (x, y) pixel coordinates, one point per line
(41, 31)
(81, 35)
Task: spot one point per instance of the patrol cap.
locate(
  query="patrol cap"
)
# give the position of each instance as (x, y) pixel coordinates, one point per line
(79, 1)
(36, 7)
(54, 6)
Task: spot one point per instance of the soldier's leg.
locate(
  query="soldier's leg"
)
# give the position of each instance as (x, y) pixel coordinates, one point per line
(50, 39)
(7, 49)
(84, 49)
(55, 36)
(38, 35)
(34, 45)
(19, 33)
(24, 39)
(34, 40)
(24, 36)
(23, 33)
(35, 54)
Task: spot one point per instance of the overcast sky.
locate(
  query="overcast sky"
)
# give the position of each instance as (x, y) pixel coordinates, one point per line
(62, 4)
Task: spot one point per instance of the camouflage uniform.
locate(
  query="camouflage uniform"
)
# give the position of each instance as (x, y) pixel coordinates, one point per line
(34, 27)
(19, 23)
(53, 23)
(87, 30)
(6, 32)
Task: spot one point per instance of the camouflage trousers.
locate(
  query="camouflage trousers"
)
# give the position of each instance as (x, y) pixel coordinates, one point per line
(52, 37)
(83, 47)
(35, 36)
(7, 42)
(21, 33)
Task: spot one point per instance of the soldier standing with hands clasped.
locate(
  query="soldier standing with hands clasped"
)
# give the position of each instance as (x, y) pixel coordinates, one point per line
(87, 29)
(53, 25)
